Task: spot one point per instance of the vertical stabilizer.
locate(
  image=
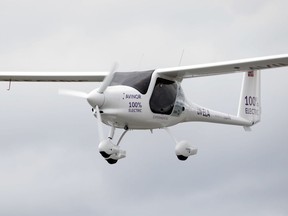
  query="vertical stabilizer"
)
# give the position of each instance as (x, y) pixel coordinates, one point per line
(250, 103)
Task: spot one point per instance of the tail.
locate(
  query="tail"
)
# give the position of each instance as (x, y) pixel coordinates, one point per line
(250, 103)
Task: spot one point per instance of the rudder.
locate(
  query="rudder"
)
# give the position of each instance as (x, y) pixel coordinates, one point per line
(250, 101)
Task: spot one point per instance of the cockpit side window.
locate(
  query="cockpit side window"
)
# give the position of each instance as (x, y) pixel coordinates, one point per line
(163, 97)
(139, 80)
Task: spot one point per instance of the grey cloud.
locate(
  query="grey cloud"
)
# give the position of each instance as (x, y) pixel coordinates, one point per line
(49, 162)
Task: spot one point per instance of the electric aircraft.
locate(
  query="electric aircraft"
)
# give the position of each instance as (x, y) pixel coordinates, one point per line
(154, 99)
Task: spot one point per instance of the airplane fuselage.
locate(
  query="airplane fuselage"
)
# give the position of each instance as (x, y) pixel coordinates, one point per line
(161, 105)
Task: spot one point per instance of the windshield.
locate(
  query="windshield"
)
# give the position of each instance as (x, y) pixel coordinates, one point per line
(139, 80)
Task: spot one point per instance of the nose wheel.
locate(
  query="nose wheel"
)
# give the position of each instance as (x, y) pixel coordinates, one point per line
(111, 152)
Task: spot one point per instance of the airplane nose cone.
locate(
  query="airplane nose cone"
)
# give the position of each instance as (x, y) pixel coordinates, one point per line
(95, 98)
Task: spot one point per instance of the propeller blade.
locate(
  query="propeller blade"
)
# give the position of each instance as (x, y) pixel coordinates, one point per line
(73, 93)
(100, 127)
(108, 79)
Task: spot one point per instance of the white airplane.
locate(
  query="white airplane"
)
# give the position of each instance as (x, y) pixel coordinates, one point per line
(147, 100)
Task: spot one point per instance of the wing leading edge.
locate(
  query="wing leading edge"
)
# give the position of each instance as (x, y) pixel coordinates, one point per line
(175, 72)
(225, 67)
(53, 76)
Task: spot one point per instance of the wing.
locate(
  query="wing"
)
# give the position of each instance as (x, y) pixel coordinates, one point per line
(53, 76)
(225, 67)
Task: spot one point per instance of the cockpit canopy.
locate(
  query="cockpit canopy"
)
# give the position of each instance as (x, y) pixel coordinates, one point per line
(139, 80)
(167, 96)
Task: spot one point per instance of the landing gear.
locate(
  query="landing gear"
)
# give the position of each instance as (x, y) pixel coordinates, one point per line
(183, 149)
(111, 161)
(181, 157)
(111, 152)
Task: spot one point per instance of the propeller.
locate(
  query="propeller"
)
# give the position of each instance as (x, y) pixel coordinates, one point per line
(73, 93)
(100, 127)
(95, 98)
(108, 79)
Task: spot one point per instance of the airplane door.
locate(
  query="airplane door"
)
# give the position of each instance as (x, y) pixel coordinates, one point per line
(163, 97)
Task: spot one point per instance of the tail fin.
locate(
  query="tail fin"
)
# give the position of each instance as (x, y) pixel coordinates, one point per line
(250, 103)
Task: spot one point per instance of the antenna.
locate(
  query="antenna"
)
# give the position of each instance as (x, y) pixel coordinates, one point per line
(181, 57)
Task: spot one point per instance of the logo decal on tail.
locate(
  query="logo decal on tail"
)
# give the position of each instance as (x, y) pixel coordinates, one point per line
(252, 105)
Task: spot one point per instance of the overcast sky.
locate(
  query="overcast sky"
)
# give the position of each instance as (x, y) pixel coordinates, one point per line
(49, 161)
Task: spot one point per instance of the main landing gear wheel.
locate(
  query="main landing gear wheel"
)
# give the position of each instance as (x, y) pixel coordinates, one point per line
(181, 157)
(183, 149)
(111, 161)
